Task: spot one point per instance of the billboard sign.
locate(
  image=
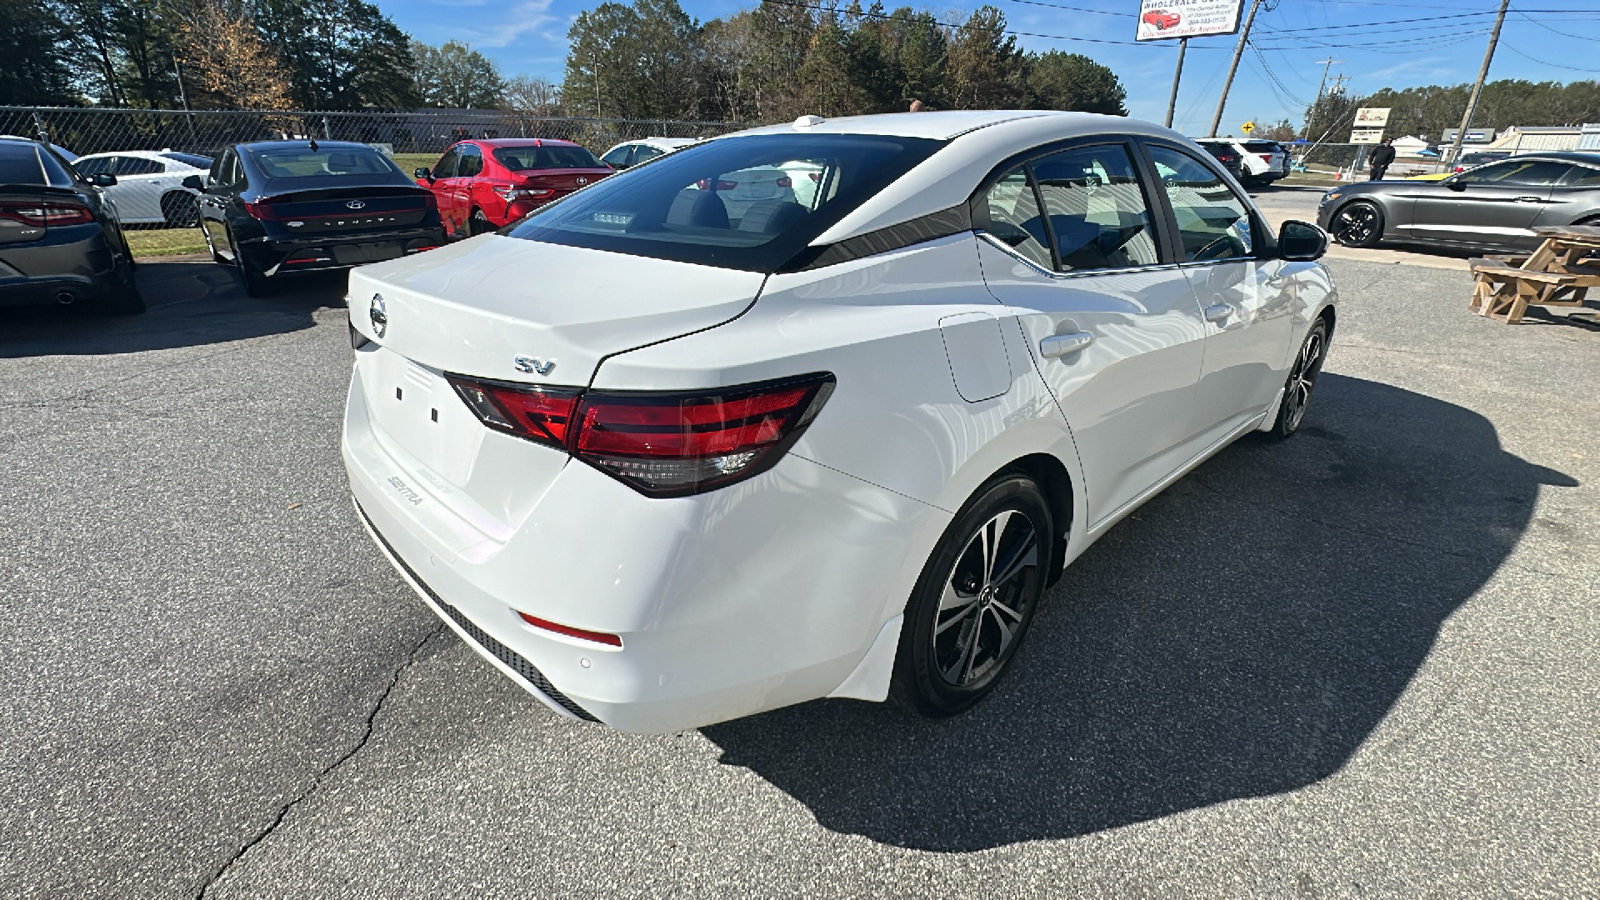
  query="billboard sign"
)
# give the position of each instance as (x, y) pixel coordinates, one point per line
(1366, 135)
(1372, 117)
(1160, 20)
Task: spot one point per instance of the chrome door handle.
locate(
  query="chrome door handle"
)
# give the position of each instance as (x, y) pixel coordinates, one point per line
(1218, 312)
(1059, 345)
(1529, 199)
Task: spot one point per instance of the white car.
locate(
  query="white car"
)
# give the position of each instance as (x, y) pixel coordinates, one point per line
(698, 469)
(149, 188)
(1261, 162)
(631, 153)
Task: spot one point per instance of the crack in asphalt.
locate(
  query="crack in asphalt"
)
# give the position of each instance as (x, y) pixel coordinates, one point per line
(316, 782)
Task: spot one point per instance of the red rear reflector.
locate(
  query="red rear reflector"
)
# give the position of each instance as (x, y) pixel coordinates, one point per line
(538, 414)
(599, 637)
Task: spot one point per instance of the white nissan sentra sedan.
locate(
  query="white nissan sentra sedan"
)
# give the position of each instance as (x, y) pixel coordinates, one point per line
(665, 465)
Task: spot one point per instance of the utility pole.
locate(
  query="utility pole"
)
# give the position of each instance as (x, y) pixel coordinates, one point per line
(1326, 65)
(183, 97)
(1477, 88)
(1172, 105)
(1244, 36)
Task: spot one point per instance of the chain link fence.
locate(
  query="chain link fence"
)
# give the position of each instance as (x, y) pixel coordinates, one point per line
(152, 150)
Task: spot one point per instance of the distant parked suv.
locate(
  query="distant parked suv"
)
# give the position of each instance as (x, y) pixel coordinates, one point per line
(482, 185)
(1261, 161)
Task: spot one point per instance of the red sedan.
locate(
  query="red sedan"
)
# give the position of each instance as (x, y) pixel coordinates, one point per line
(483, 185)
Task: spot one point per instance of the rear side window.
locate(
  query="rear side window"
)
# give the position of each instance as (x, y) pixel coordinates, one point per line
(616, 159)
(92, 166)
(1262, 147)
(521, 159)
(1096, 209)
(305, 168)
(1582, 176)
(645, 154)
(750, 202)
(190, 159)
(1010, 214)
(133, 165)
(1212, 221)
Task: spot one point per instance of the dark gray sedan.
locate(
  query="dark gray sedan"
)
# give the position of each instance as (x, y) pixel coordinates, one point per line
(1491, 207)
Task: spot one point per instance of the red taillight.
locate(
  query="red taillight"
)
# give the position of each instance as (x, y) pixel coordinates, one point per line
(542, 415)
(704, 184)
(785, 181)
(430, 203)
(41, 215)
(262, 210)
(661, 444)
(1266, 157)
(599, 637)
(817, 177)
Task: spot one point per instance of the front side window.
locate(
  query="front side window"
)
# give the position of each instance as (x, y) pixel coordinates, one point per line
(1096, 209)
(1009, 213)
(133, 165)
(732, 203)
(645, 154)
(447, 163)
(92, 166)
(1517, 173)
(1213, 223)
(618, 157)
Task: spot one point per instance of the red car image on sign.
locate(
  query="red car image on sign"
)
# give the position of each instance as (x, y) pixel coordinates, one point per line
(1161, 19)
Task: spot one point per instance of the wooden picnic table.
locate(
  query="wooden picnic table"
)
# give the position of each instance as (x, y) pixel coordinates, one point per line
(1558, 273)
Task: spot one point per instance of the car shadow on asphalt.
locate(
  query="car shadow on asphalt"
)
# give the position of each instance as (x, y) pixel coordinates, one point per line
(1242, 635)
(188, 304)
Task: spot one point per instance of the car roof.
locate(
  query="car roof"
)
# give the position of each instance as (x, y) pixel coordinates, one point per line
(144, 154)
(494, 143)
(943, 125)
(304, 143)
(1575, 156)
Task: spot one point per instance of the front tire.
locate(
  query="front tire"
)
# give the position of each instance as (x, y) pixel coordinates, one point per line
(1302, 381)
(1358, 224)
(975, 599)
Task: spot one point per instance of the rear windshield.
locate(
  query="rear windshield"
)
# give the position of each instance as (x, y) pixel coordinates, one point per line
(519, 159)
(1262, 147)
(304, 167)
(23, 163)
(199, 162)
(739, 203)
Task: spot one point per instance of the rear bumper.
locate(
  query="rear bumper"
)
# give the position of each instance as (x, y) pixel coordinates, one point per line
(77, 261)
(719, 601)
(273, 255)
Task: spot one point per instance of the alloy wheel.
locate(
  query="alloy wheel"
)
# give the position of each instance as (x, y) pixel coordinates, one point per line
(1302, 378)
(985, 600)
(1355, 224)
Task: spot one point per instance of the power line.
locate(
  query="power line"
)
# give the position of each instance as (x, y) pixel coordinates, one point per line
(1543, 62)
(1566, 34)
(1097, 12)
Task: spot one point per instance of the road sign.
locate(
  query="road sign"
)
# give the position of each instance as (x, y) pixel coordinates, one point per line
(1161, 20)
(1247, 127)
(1366, 135)
(1372, 117)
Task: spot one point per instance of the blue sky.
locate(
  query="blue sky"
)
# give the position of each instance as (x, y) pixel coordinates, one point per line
(1395, 44)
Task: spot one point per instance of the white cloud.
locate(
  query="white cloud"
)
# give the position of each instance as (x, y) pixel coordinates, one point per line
(532, 15)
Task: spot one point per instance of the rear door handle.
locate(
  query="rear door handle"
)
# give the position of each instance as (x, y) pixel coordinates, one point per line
(1529, 199)
(1059, 345)
(1218, 312)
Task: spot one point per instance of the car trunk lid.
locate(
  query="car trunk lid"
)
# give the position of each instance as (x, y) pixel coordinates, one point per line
(563, 181)
(346, 209)
(506, 309)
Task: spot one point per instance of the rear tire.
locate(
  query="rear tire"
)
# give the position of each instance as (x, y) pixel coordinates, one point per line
(479, 224)
(975, 599)
(180, 210)
(255, 283)
(1358, 224)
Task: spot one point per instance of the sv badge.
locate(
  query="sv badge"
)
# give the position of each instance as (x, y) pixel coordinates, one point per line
(533, 366)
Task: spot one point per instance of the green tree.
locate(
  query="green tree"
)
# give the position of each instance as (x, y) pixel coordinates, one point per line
(1072, 81)
(33, 43)
(642, 61)
(341, 54)
(456, 76)
(986, 70)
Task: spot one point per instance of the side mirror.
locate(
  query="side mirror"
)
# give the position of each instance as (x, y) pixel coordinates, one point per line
(1455, 183)
(424, 172)
(193, 183)
(102, 179)
(1301, 241)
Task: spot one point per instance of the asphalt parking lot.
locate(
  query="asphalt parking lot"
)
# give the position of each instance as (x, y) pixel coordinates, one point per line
(1362, 663)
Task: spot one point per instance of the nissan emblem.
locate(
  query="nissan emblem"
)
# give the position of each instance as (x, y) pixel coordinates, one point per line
(379, 315)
